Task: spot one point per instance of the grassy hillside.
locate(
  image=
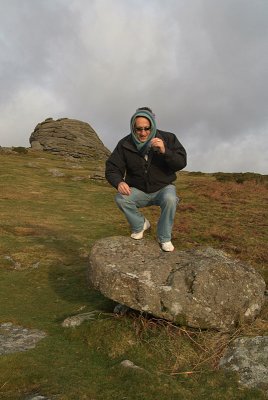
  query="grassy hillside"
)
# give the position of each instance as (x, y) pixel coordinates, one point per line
(51, 214)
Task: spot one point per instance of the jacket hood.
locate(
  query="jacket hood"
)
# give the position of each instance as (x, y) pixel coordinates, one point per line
(150, 116)
(146, 114)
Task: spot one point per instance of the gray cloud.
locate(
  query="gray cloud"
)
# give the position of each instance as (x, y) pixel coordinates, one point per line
(201, 66)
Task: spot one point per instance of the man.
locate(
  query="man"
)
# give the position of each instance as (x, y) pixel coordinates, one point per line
(143, 168)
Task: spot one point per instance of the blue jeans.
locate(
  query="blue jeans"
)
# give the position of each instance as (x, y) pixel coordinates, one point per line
(165, 198)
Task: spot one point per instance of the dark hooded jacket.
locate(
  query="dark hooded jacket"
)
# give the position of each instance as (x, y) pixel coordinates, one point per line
(147, 172)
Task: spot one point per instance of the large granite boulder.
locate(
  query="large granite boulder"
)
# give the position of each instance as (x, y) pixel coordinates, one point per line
(68, 137)
(202, 288)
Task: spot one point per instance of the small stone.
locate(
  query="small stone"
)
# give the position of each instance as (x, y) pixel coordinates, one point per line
(129, 364)
(55, 172)
(77, 320)
(121, 309)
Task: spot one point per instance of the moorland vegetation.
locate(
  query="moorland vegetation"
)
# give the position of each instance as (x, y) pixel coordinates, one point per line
(49, 223)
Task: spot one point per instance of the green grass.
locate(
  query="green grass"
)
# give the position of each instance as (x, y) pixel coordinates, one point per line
(48, 226)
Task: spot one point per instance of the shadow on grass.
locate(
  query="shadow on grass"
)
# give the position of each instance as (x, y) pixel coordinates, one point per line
(69, 278)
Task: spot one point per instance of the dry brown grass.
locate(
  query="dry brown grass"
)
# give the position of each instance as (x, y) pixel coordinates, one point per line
(227, 215)
(183, 350)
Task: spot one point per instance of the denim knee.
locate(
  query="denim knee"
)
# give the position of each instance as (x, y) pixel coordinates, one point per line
(170, 200)
(119, 199)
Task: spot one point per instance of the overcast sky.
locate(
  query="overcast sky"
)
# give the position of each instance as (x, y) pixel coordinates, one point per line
(201, 65)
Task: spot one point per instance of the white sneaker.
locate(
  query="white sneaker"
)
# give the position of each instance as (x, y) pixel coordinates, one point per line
(167, 246)
(139, 235)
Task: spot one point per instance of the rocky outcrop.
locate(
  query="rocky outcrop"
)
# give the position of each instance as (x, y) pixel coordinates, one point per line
(68, 137)
(202, 288)
(249, 357)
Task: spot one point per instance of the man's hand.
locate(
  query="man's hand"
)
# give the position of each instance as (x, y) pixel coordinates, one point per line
(123, 188)
(158, 145)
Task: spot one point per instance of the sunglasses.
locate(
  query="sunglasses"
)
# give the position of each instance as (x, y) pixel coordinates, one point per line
(141, 128)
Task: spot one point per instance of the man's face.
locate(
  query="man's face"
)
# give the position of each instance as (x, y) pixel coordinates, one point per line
(142, 128)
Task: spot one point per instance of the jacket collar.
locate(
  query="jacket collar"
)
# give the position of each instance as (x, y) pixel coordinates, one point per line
(130, 145)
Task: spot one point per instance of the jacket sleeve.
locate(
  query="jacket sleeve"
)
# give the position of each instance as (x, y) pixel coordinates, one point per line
(115, 167)
(175, 155)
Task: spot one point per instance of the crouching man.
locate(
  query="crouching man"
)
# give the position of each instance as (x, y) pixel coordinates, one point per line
(143, 168)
